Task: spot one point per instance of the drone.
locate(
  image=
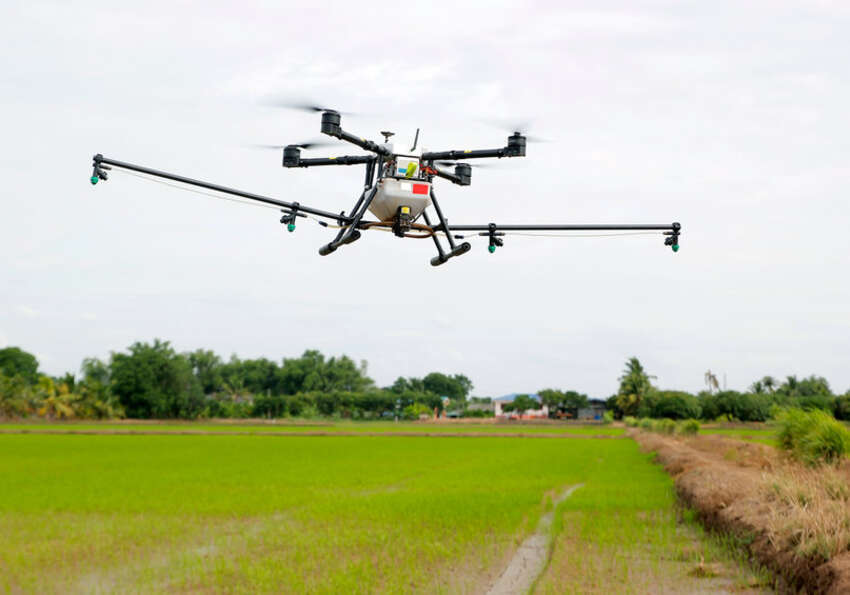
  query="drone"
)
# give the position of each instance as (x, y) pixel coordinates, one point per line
(398, 190)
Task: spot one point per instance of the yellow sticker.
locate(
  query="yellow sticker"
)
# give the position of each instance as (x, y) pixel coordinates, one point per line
(411, 169)
(405, 210)
(331, 157)
(468, 151)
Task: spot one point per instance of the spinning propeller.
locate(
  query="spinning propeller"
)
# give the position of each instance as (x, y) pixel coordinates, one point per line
(308, 145)
(302, 105)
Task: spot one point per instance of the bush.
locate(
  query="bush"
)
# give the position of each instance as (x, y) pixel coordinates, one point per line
(813, 436)
(689, 427)
(664, 426)
(841, 407)
(670, 403)
(731, 404)
(630, 421)
(607, 417)
(645, 423)
(414, 410)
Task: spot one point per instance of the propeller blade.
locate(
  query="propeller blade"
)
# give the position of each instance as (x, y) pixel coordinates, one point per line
(313, 144)
(512, 126)
(301, 105)
(475, 165)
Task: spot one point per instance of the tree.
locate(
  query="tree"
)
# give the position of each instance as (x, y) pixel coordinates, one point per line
(523, 403)
(454, 387)
(809, 393)
(670, 404)
(769, 383)
(552, 398)
(207, 368)
(711, 381)
(14, 361)
(841, 408)
(634, 386)
(563, 402)
(152, 381)
(402, 385)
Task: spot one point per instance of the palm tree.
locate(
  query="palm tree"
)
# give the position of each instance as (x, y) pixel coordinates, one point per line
(757, 387)
(769, 383)
(711, 381)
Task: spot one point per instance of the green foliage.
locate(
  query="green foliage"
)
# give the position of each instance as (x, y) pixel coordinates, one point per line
(631, 422)
(152, 380)
(664, 426)
(523, 403)
(688, 427)
(608, 417)
(812, 436)
(669, 403)
(634, 386)
(415, 410)
(14, 361)
(565, 402)
(734, 405)
(645, 423)
(841, 407)
(455, 387)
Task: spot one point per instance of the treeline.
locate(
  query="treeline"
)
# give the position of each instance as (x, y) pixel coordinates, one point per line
(766, 397)
(153, 381)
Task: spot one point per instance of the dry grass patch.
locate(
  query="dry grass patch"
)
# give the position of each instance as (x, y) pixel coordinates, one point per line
(794, 519)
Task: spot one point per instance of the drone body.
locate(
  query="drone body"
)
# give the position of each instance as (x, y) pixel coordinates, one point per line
(398, 190)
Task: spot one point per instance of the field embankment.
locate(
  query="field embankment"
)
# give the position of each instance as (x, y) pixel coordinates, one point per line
(793, 519)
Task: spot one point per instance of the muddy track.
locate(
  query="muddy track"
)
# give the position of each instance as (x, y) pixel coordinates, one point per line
(531, 557)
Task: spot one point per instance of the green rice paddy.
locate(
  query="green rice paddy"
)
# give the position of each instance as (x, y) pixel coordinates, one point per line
(248, 513)
(341, 427)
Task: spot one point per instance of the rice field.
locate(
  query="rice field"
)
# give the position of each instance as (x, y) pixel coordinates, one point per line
(369, 513)
(320, 427)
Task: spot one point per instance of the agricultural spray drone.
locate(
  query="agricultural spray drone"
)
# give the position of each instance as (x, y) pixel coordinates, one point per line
(398, 189)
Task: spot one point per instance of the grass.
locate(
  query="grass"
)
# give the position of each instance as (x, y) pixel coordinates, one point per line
(248, 513)
(324, 426)
(763, 435)
(627, 536)
(254, 513)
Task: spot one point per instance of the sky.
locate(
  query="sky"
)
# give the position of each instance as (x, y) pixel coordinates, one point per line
(728, 117)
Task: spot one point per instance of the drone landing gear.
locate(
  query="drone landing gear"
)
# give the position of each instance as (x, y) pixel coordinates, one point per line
(455, 250)
(350, 234)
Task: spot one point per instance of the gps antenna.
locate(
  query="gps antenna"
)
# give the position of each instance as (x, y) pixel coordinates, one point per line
(415, 140)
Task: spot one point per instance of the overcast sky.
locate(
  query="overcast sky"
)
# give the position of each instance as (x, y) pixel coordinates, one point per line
(730, 117)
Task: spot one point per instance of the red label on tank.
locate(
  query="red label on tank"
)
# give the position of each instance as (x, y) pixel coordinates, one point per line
(420, 189)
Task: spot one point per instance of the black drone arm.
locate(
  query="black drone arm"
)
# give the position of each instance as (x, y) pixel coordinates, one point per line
(514, 148)
(291, 209)
(454, 178)
(476, 154)
(292, 158)
(331, 126)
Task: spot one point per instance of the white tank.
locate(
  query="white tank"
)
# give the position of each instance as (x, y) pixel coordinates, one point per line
(405, 191)
(394, 193)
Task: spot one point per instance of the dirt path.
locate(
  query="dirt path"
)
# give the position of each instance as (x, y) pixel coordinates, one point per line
(531, 557)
